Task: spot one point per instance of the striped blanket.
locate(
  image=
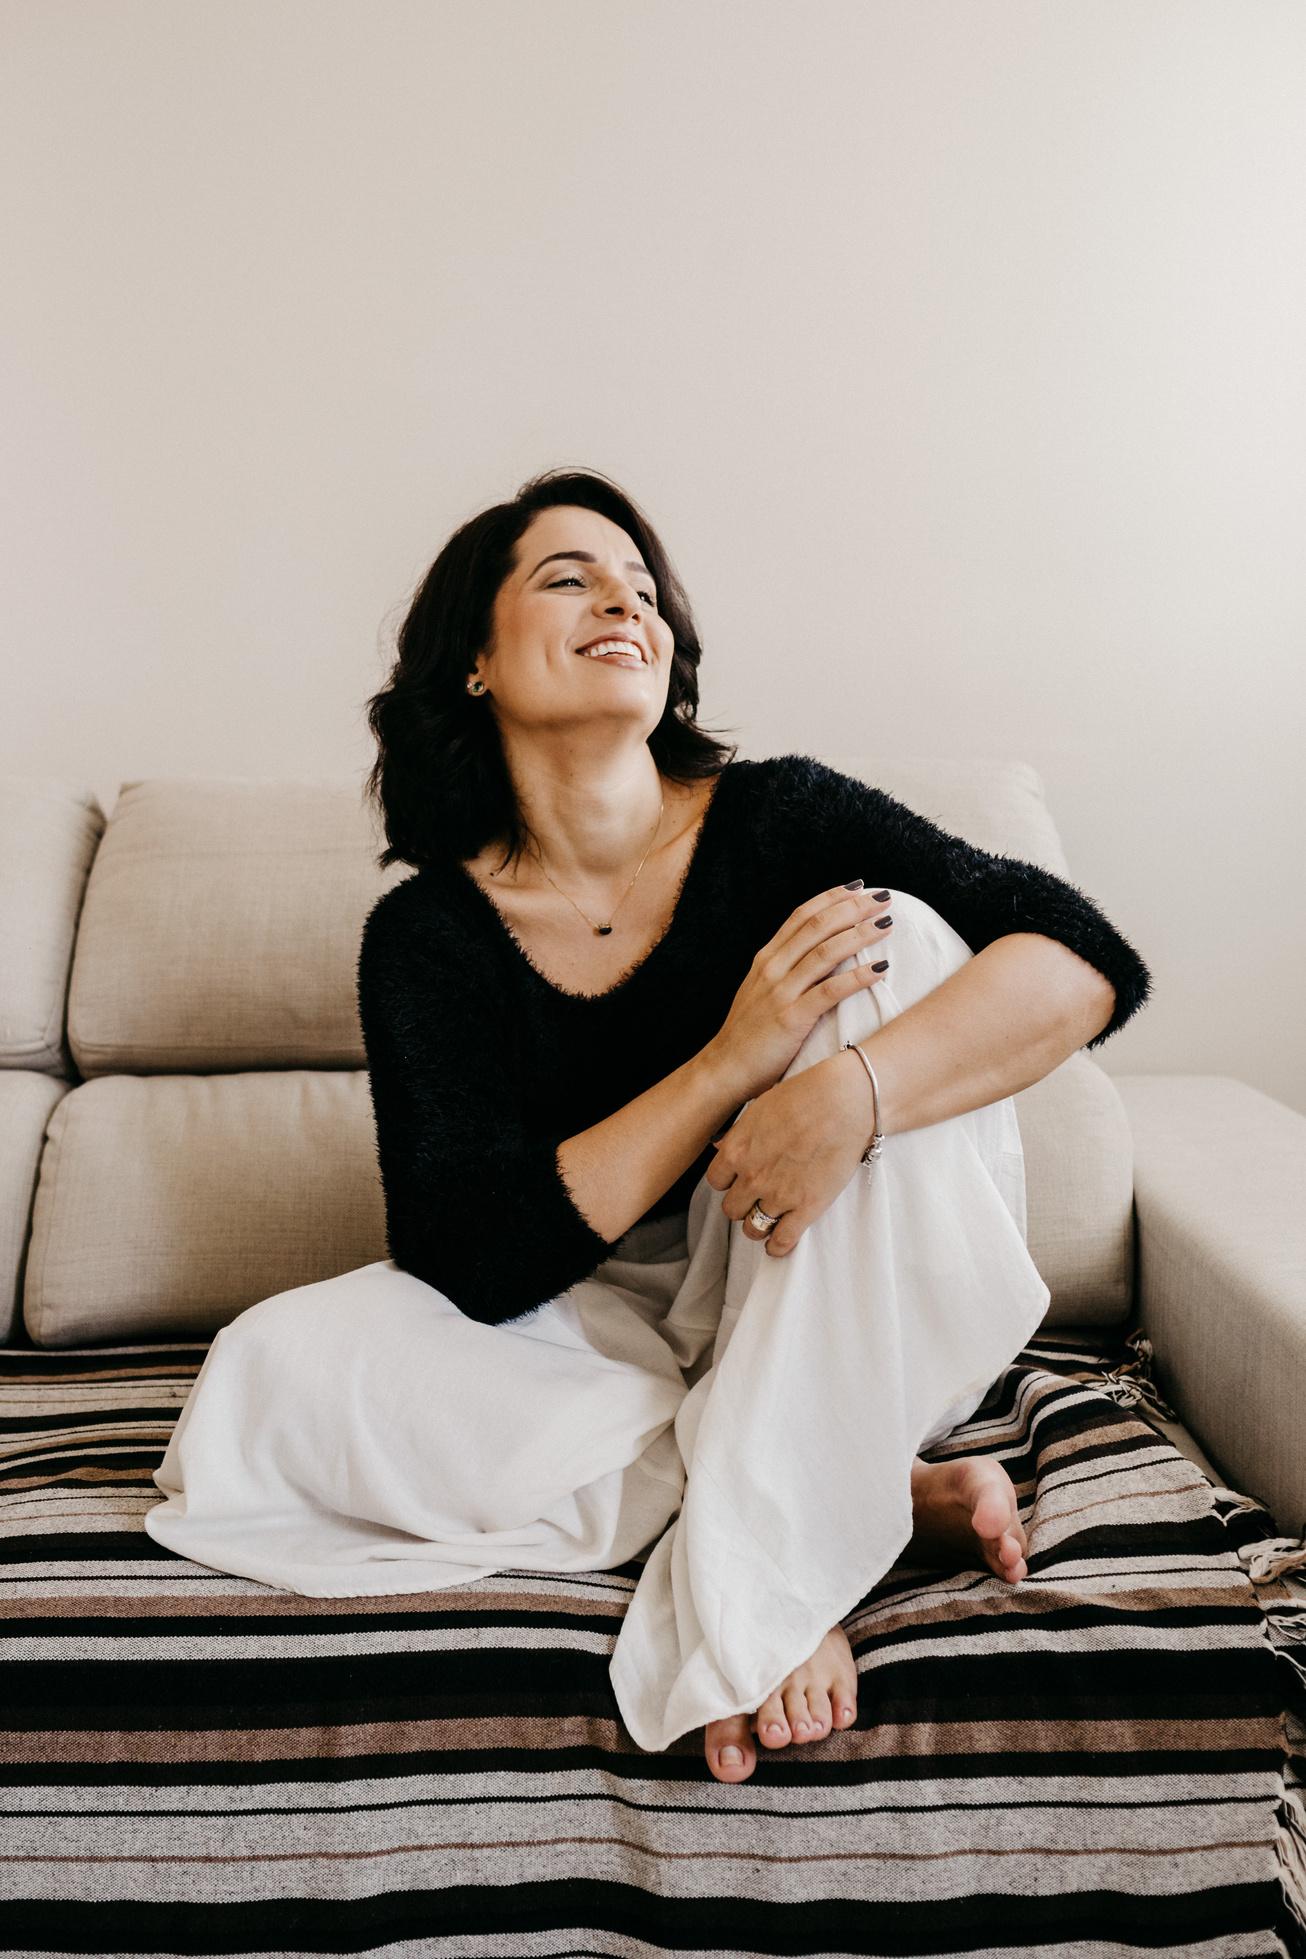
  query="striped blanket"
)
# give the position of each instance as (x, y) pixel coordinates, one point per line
(1093, 1765)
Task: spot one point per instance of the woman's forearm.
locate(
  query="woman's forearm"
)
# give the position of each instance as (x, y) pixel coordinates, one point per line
(619, 1168)
(1011, 1015)
(1005, 1020)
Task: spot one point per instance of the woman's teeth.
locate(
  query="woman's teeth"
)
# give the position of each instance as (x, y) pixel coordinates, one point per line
(607, 646)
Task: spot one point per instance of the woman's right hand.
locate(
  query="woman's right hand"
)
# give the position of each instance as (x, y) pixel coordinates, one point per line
(793, 981)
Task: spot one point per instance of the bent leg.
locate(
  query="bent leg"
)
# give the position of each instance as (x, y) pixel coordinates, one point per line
(834, 1367)
(361, 1437)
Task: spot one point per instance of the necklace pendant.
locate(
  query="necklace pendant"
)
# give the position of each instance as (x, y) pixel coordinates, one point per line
(601, 931)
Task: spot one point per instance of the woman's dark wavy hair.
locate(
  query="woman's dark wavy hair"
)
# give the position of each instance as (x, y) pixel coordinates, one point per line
(440, 778)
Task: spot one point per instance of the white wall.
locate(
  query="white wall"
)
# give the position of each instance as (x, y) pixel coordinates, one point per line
(955, 345)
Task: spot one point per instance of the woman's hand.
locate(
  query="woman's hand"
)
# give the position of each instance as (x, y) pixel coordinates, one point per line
(794, 1148)
(793, 981)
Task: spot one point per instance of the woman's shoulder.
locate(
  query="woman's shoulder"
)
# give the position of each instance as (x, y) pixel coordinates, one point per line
(428, 916)
(788, 791)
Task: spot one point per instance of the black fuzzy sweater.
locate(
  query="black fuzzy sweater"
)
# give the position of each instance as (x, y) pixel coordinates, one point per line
(480, 1067)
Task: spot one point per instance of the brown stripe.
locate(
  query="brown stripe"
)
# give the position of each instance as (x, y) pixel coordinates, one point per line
(290, 1605)
(906, 1739)
(1136, 1504)
(1094, 1439)
(660, 1855)
(1043, 1601)
(59, 1476)
(174, 1369)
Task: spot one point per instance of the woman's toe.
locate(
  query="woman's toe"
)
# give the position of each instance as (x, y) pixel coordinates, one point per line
(844, 1708)
(729, 1749)
(770, 1725)
(820, 1713)
(1011, 1556)
(800, 1721)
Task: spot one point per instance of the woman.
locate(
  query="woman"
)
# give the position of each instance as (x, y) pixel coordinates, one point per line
(617, 941)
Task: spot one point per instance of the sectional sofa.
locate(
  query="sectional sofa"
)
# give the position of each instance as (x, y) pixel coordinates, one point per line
(185, 1128)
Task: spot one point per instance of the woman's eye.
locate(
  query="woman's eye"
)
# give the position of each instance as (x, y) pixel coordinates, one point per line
(569, 579)
(650, 598)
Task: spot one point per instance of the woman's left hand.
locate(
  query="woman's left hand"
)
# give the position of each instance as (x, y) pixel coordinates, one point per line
(793, 1150)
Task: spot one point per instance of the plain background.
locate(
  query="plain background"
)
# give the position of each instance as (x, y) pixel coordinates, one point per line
(956, 347)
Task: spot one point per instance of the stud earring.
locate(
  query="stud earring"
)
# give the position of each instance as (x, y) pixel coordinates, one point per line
(476, 686)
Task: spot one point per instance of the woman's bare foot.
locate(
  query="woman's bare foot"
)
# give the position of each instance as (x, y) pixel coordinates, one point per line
(818, 1696)
(967, 1511)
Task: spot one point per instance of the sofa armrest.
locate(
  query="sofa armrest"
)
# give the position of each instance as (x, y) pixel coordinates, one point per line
(1220, 1191)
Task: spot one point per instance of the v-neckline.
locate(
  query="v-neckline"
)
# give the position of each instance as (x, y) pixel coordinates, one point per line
(618, 986)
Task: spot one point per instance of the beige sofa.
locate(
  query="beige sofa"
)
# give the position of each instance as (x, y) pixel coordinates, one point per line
(185, 1125)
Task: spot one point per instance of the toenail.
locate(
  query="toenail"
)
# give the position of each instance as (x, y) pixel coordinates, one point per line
(732, 1758)
(774, 1728)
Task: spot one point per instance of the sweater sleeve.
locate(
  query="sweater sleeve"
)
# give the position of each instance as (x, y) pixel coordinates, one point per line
(475, 1203)
(855, 831)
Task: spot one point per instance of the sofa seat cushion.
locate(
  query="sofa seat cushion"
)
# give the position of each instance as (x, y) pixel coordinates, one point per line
(48, 833)
(221, 929)
(166, 1205)
(27, 1100)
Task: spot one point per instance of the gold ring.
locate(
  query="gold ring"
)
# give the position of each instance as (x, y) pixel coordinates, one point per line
(762, 1220)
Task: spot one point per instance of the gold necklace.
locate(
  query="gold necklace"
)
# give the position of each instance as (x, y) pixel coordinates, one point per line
(602, 931)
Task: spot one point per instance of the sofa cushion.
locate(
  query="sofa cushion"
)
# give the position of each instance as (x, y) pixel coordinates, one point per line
(1078, 1155)
(1079, 1183)
(26, 1100)
(997, 806)
(166, 1205)
(221, 929)
(48, 833)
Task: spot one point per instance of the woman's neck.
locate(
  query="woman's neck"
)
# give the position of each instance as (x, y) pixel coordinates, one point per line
(586, 816)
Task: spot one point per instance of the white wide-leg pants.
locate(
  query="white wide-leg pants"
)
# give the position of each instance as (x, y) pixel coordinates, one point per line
(749, 1422)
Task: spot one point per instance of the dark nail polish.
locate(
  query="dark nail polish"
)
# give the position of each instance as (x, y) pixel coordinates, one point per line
(856, 884)
(886, 920)
(880, 966)
(880, 897)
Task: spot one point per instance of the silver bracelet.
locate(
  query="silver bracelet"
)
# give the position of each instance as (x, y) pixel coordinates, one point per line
(871, 1154)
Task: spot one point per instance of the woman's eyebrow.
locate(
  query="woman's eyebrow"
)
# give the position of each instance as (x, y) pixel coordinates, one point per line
(588, 558)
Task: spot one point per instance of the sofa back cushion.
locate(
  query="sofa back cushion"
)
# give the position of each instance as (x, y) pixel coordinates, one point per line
(221, 928)
(997, 806)
(1079, 1166)
(1079, 1187)
(168, 1204)
(48, 833)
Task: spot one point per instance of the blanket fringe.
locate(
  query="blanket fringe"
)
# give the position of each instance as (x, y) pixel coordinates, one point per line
(1291, 1848)
(1133, 1385)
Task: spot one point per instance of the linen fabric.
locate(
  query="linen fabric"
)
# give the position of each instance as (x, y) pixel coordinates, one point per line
(1079, 1178)
(1094, 1763)
(166, 1205)
(1220, 1173)
(562, 1442)
(221, 929)
(468, 1126)
(48, 833)
(26, 1102)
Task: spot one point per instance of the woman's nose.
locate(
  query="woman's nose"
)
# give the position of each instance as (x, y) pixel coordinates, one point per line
(621, 603)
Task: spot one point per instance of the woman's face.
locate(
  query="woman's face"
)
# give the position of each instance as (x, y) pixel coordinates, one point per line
(577, 638)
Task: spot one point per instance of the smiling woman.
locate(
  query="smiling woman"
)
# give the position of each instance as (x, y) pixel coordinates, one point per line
(441, 772)
(632, 1029)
